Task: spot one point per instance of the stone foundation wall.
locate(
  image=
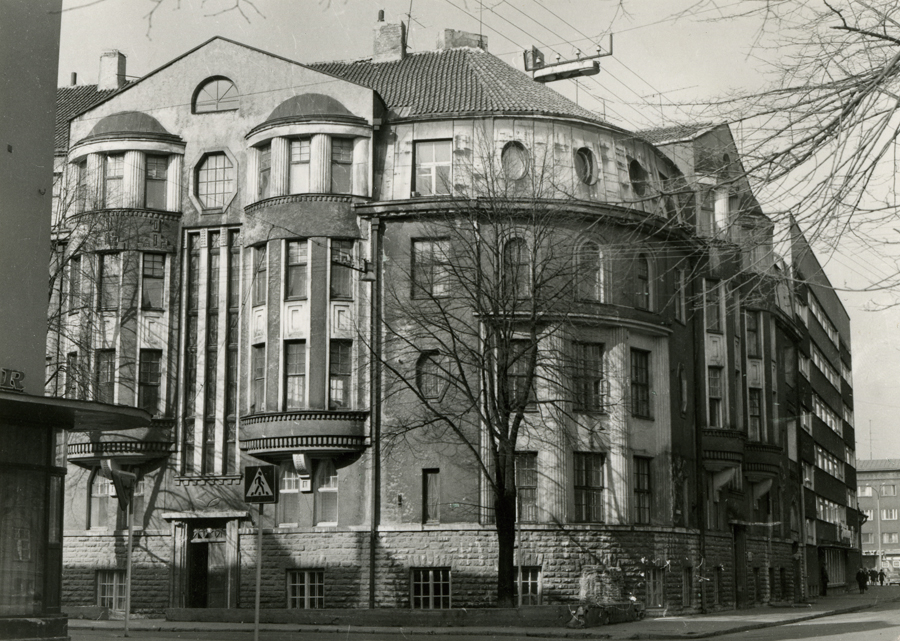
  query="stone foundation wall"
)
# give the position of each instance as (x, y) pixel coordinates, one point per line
(86, 553)
(603, 564)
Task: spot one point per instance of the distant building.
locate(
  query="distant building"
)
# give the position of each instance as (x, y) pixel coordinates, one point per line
(878, 481)
(230, 227)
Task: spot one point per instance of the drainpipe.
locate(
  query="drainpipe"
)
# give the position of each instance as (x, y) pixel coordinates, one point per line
(375, 231)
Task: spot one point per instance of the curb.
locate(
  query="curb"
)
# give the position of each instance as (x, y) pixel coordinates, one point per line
(594, 633)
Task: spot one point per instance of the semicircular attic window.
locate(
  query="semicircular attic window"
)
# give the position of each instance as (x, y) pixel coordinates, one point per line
(216, 94)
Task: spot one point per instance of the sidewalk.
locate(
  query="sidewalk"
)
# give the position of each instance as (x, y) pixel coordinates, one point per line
(693, 627)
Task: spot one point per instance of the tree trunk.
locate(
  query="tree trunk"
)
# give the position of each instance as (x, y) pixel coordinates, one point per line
(505, 513)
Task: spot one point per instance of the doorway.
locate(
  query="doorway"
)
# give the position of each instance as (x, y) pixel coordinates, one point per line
(207, 584)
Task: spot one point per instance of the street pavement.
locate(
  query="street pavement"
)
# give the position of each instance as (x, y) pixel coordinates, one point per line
(675, 627)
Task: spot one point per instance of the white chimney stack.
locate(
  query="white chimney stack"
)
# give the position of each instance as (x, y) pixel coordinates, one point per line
(112, 70)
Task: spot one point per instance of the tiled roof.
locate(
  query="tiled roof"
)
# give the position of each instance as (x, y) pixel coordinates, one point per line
(877, 465)
(454, 81)
(675, 133)
(71, 101)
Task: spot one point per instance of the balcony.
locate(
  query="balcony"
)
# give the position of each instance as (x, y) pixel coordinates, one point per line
(143, 447)
(276, 435)
(762, 459)
(723, 446)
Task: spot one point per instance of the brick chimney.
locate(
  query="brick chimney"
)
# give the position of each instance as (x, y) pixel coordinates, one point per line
(390, 40)
(451, 38)
(112, 70)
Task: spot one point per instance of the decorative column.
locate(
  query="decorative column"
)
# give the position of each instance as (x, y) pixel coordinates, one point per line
(173, 182)
(133, 180)
(320, 164)
(619, 499)
(360, 167)
(94, 182)
(278, 176)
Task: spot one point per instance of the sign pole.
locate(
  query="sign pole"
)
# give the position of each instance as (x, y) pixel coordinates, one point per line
(130, 516)
(259, 539)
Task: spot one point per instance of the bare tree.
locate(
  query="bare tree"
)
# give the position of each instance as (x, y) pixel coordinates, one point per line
(819, 143)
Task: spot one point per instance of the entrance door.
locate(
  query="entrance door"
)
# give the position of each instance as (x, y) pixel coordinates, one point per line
(207, 585)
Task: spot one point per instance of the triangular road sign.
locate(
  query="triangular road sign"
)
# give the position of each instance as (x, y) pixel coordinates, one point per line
(260, 484)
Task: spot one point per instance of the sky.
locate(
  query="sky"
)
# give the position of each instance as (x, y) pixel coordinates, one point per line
(667, 55)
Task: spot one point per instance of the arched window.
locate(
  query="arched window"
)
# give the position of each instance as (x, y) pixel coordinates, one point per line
(514, 159)
(216, 94)
(431, 377)
(516, 277)
(638, 177)
(589, 276)
(99, 488)
(326, 493)
(642, 285)
(585, 166)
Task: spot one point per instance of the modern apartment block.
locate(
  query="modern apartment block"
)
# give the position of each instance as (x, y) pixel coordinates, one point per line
(877, 482)
(258, 252)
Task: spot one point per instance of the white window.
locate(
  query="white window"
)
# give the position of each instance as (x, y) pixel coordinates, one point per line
(326, 493)
(433, 168)
(111, 589)
(114, 172)
(341, 165)
(299, 171)
(305, 589)
(870, 514)
(888, 490)
(890, 537)
(215, 180)
(867, 537)
(863, 490)
(804, 366)
(889, 515)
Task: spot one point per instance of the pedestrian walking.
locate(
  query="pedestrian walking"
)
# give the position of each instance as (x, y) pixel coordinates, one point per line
(881, 576)
(862, 578)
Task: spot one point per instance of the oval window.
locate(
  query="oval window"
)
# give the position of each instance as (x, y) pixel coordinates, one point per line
(638, 177)
(584, 166)
(514, 160)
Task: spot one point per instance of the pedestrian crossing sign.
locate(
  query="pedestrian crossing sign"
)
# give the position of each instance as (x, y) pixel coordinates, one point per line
(260, 484)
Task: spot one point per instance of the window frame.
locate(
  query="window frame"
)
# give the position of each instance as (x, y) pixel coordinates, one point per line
(431, 496)
(590, 268)
(296, 165)
(224, 186)
(113, 180)
(341, 253)
(431, 382)
(434, 168)
(295, 376)
(643, 283)
(715, 404)
(326, 483)
(340, 370)
(152, 172)
(591, 393)
(296, 269)
(640, 378)
(313, 580)
(753, 333)
(431, 577)
(221, 101)
(589, 471)
(643, 490)
(260, 284)
(257, 378)
(105, 368)
(532, 579)
(110, 579)
(585, 166)
(264, 171)
(430, 267)
(515, 161)
(156, 277)
(526, 477)
(344, 161)
(150, 380)
(109, 277)
(712, 302)
(516, 276)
